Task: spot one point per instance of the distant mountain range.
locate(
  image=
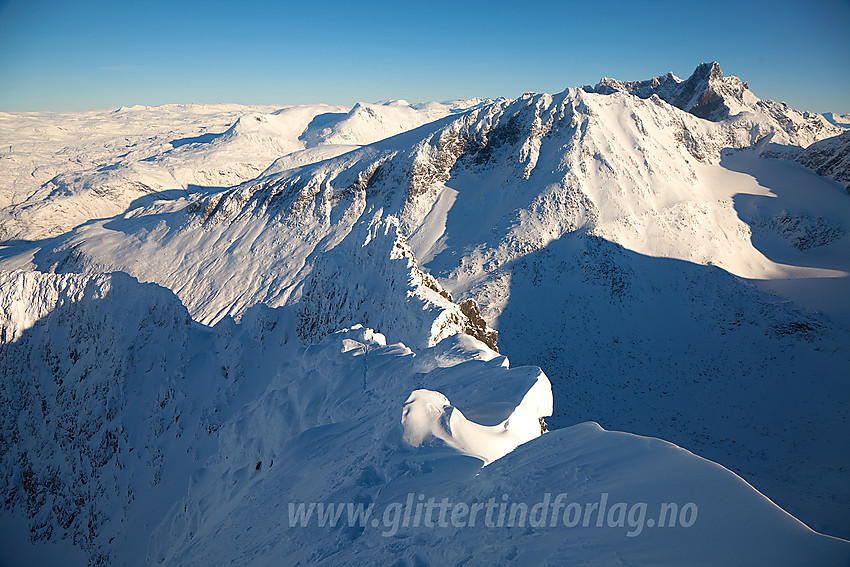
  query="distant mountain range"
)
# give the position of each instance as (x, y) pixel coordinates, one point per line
(670, 257)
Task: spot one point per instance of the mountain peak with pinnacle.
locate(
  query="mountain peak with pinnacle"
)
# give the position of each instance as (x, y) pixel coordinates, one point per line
(706, 93)
(710, 95)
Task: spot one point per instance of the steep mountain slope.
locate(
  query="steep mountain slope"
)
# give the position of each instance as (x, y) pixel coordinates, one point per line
(639, 173)
(143, 437)
(828, 158)
(840, 120)
(112, 403)
(710, 95)
(655, 154)
(109, 388)
(605, 234)
(64, 169)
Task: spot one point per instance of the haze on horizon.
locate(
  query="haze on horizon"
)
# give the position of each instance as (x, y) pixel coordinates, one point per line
(97, 54)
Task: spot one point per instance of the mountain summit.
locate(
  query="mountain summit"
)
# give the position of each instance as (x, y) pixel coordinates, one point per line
(648, 249)
(708, 94)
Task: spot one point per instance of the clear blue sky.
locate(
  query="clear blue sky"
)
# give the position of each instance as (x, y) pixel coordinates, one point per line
(73, 55)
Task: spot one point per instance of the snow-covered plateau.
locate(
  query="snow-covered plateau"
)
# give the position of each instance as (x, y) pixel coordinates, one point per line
(317, 335)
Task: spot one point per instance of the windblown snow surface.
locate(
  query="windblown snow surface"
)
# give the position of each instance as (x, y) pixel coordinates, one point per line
(212, 315)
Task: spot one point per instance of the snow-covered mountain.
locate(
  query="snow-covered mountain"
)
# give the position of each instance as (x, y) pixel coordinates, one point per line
(841, 120)
(828, 158)
(653, 246)
(710, 95)
(62, 170)
(140, 436)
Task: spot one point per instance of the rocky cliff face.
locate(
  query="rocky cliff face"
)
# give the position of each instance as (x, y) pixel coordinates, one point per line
(79, 355)
(372, 275)
(127, 426)
(567, 222)
(709, 95)
(829, 158)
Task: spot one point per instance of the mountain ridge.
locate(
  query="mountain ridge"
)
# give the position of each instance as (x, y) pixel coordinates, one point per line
(709, 95)
(661, 273)
(198, 467)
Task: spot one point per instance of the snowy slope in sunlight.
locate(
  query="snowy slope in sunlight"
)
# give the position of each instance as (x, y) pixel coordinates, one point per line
(144, 437)
(531, 170)
(672, 253)
(366, 123)
(64, 169)
(840, 120)
(580, 188)
(710, 95)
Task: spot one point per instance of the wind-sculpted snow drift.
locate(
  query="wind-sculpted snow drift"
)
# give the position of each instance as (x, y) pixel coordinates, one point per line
(142, 436)
(115, 397)
(509, 196)
(630, 239)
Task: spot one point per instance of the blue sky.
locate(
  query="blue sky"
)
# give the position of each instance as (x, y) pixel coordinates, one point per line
(66, 55)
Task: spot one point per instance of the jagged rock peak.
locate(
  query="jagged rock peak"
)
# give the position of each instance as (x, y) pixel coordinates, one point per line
(706, 93)
(708, 71)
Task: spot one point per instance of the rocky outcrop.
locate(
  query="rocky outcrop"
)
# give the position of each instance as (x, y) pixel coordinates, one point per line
(829, 158)
(372, 276)
(708, 94)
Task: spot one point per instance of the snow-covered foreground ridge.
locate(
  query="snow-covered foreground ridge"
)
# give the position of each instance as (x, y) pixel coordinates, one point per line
(602, 231)
(142, 436)
(629, 238)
